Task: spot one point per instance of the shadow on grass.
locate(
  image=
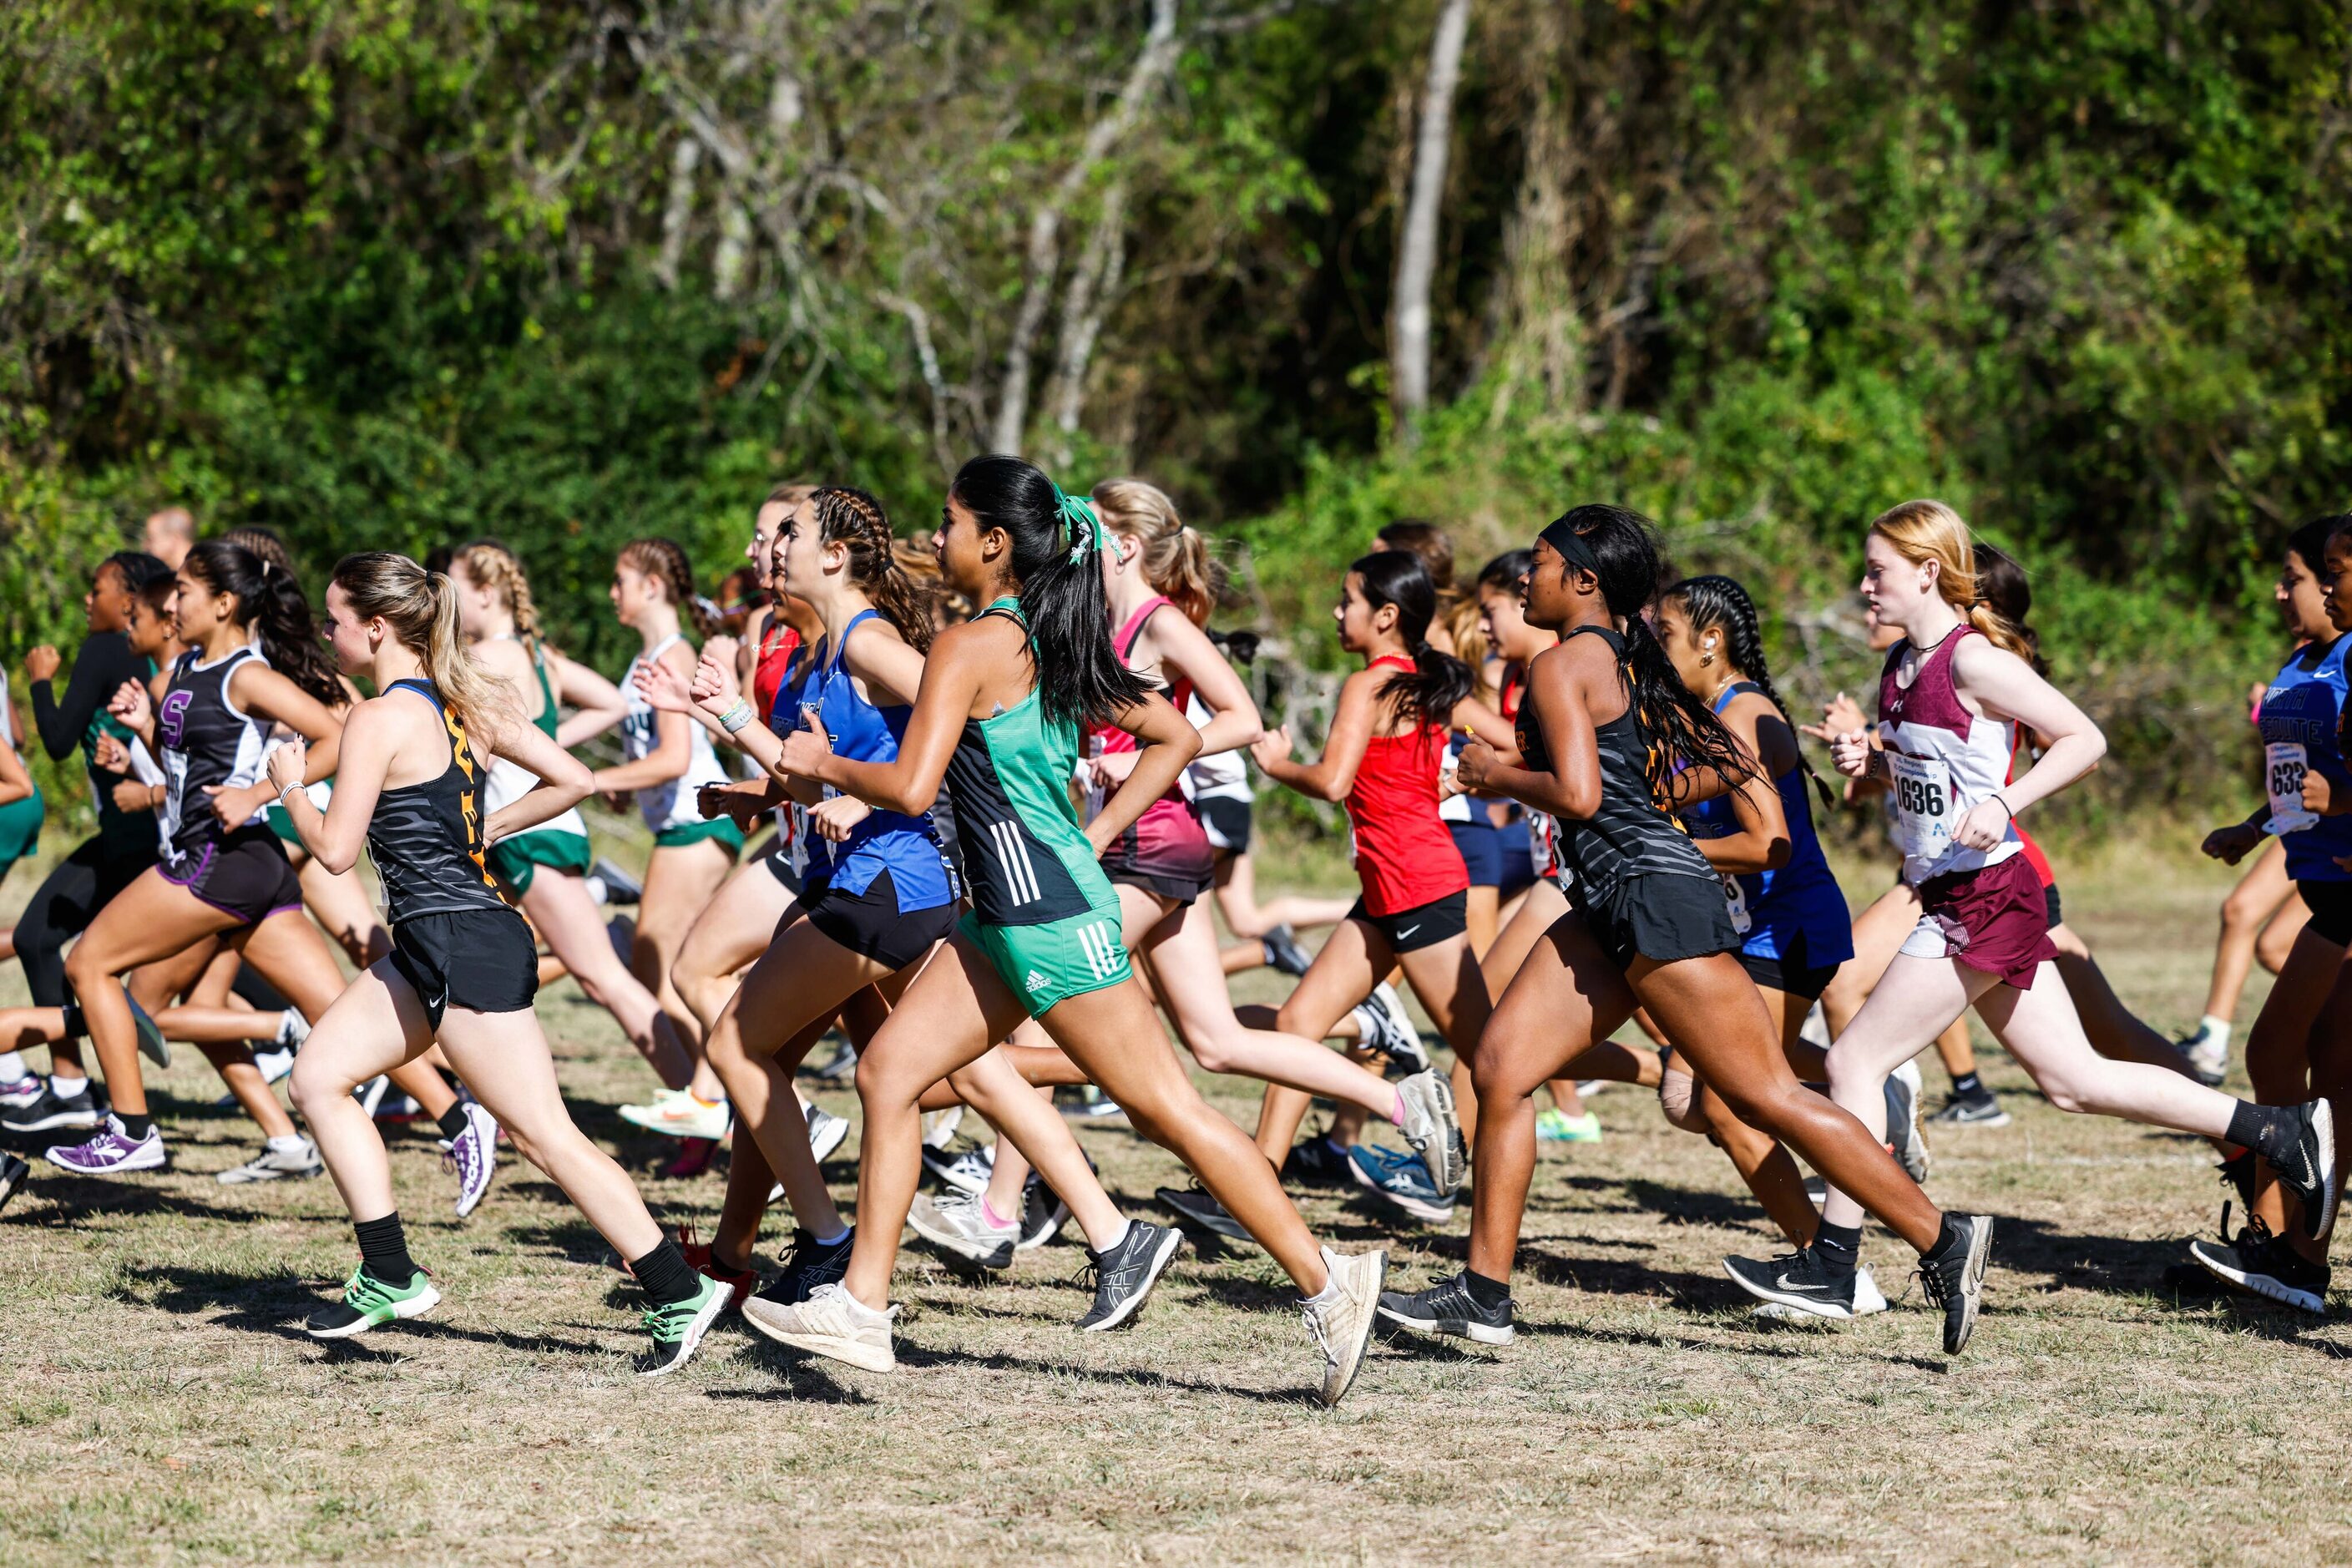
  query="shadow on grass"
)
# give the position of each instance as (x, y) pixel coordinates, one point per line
(1133, 1377)
(278, 1305)
(74, 1199)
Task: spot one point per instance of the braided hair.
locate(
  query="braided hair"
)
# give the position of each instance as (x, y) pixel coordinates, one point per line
(1719, 602)
(855, 520)
(666, 559)
(1430, 691)
(1680, 728)
(489, 565)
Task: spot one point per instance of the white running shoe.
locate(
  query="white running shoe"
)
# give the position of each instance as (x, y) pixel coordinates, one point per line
(1431, 1127)
(825, 1131)
(1904, 1139)
(1340, 1320)
(371, 1094)
(473, 1154)
(274, 1065)
(23, 1092)
(2209, 1058)
(678, 1114)
(968, 1172)
(831, 1322)
(292, 1030)
(957, 1226)
(939, 1126)
(299, 1160)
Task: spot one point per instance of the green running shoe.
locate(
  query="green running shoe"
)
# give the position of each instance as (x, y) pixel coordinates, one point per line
(1551, 1127)
(679, 1328)
(368, 1303)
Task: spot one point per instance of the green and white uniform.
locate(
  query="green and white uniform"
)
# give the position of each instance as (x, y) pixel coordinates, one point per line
(1043, 910)
(20, 820)
(669, 807)
(561, 844)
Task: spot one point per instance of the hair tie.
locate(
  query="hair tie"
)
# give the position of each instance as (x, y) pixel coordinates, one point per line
(1081, 525)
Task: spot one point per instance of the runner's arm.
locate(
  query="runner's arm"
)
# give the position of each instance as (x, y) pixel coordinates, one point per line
(564, 780)
(1334, 774)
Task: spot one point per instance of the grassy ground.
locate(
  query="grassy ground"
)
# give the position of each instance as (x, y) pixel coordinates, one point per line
(161, 1404)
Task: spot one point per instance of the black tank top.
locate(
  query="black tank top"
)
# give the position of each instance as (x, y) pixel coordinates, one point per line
(206, 742)
(426, 838)
(1628, 835)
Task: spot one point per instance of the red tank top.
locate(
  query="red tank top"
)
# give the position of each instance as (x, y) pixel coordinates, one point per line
(1404, 856)
(1106, 740)
(778, 643)
(2031, 851)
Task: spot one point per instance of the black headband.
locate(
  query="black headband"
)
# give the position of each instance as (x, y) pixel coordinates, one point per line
(1570, 545)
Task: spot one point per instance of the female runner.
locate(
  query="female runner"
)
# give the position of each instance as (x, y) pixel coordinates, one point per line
(2309, 810)
(669, 760)
(545, 867)
(1381, 759)
(463, 968)
(1604, 727)
(224, 874)
(1002, 701)
(1953, 691)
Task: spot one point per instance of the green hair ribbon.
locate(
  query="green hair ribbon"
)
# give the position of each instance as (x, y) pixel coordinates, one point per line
(1077, 514)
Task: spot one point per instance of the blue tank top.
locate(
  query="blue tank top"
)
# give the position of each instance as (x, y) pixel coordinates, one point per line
(906, 847)
(1798, 911)
(2301, 713)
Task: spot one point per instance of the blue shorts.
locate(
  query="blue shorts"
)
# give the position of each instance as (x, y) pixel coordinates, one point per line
(1502, 859)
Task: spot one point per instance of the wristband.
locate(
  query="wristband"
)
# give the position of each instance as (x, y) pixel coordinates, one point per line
(736, 717)
(290, 789)
(2005, 806)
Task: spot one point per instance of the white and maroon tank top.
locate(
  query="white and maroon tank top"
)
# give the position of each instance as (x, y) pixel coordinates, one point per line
(1943, 759)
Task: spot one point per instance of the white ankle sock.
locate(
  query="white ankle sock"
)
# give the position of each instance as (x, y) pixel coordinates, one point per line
(2213, 1028)
(66, 1087)
(12, 1068)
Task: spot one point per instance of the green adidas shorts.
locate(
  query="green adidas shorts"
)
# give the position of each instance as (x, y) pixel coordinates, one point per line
(721, 830)
(20, 829)
(1048, 964)
(517, 860)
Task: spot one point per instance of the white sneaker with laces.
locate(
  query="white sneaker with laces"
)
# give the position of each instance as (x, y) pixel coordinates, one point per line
(825, 1131)
(297, 1162)
(832, 1322)
(678, 1114)
(1340, 1321)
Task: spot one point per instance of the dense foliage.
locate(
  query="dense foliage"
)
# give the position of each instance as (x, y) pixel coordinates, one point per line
(403, 271)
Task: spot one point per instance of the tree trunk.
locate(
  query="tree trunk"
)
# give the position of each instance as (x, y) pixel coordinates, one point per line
(1417, 254)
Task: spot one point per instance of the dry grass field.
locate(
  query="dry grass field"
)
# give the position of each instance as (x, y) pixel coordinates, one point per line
(159, 1403)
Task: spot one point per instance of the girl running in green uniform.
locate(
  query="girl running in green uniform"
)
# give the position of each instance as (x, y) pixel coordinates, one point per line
(1004, 698)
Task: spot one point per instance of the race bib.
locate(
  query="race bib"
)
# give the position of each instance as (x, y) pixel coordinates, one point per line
(1735, 898)
(2286, 764)
(1922, 805)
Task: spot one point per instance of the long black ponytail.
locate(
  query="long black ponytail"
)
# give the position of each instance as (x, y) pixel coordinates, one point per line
(1056, 540)
(1720, 602)
(1430, 691)
(1680, 729)
(270, 601)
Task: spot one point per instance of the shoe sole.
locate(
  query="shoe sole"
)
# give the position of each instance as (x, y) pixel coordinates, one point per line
(672, 1129)
(837, 1134)
(1452, 1161)
(1354, 1365)
(865, 1358)
(1187, 1218)
(1998, 1118)
(414, 1306)
(1453, 1328)
(127, 1168)
(961, 1250)
(1162, 1256)
(2261, 1285)
(1972, 1275)
(77, 1120)
(466, 1204)
(231, 1178)
(712, 1311)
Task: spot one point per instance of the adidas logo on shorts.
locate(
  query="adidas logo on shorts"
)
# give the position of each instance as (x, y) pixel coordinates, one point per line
(1034, 980)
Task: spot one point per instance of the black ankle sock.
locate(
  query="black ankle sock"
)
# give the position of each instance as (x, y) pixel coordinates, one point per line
(76, 1026)
(1968, 1085)
(1947, 1237)
(384, 1249)
(453, 1121)
(2270, 1130)
(1484, 1291)
(135, 1128)
(666, 1274)
(1839, 1247)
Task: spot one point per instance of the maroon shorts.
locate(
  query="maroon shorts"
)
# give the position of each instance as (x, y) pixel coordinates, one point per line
(1996, 920)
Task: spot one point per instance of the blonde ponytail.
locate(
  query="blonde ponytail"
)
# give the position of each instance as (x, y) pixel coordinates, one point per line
(421, 610)
(1176, 557)
(1925, 531)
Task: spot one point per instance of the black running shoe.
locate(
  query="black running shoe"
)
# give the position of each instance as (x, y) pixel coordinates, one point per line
(1448, 1307)
(1124, 1276)
(1797, 1281)
(1316, 1163)
(1043, 1213)
(1956, 1281)
(13, 1172)
(2264, 1265)
(2237, 1172)
(53, 1110)
(1980, 1109)
(619, 887)
(810, 1264)
(1282, 951)
(1196, 1209)
(2309, 1172)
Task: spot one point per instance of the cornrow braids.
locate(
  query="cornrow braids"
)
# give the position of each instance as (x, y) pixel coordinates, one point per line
(666, 559)
(855, 520)
(1720, 602)
(489, 565)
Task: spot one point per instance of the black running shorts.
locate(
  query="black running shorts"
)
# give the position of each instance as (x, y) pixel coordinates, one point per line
(870, 924)
(1789, 973)
(245, 875)
(1424, 925)
(2331, 910)
(1226, 821)
(483, 960)
(1664, 919)
(779, 862)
